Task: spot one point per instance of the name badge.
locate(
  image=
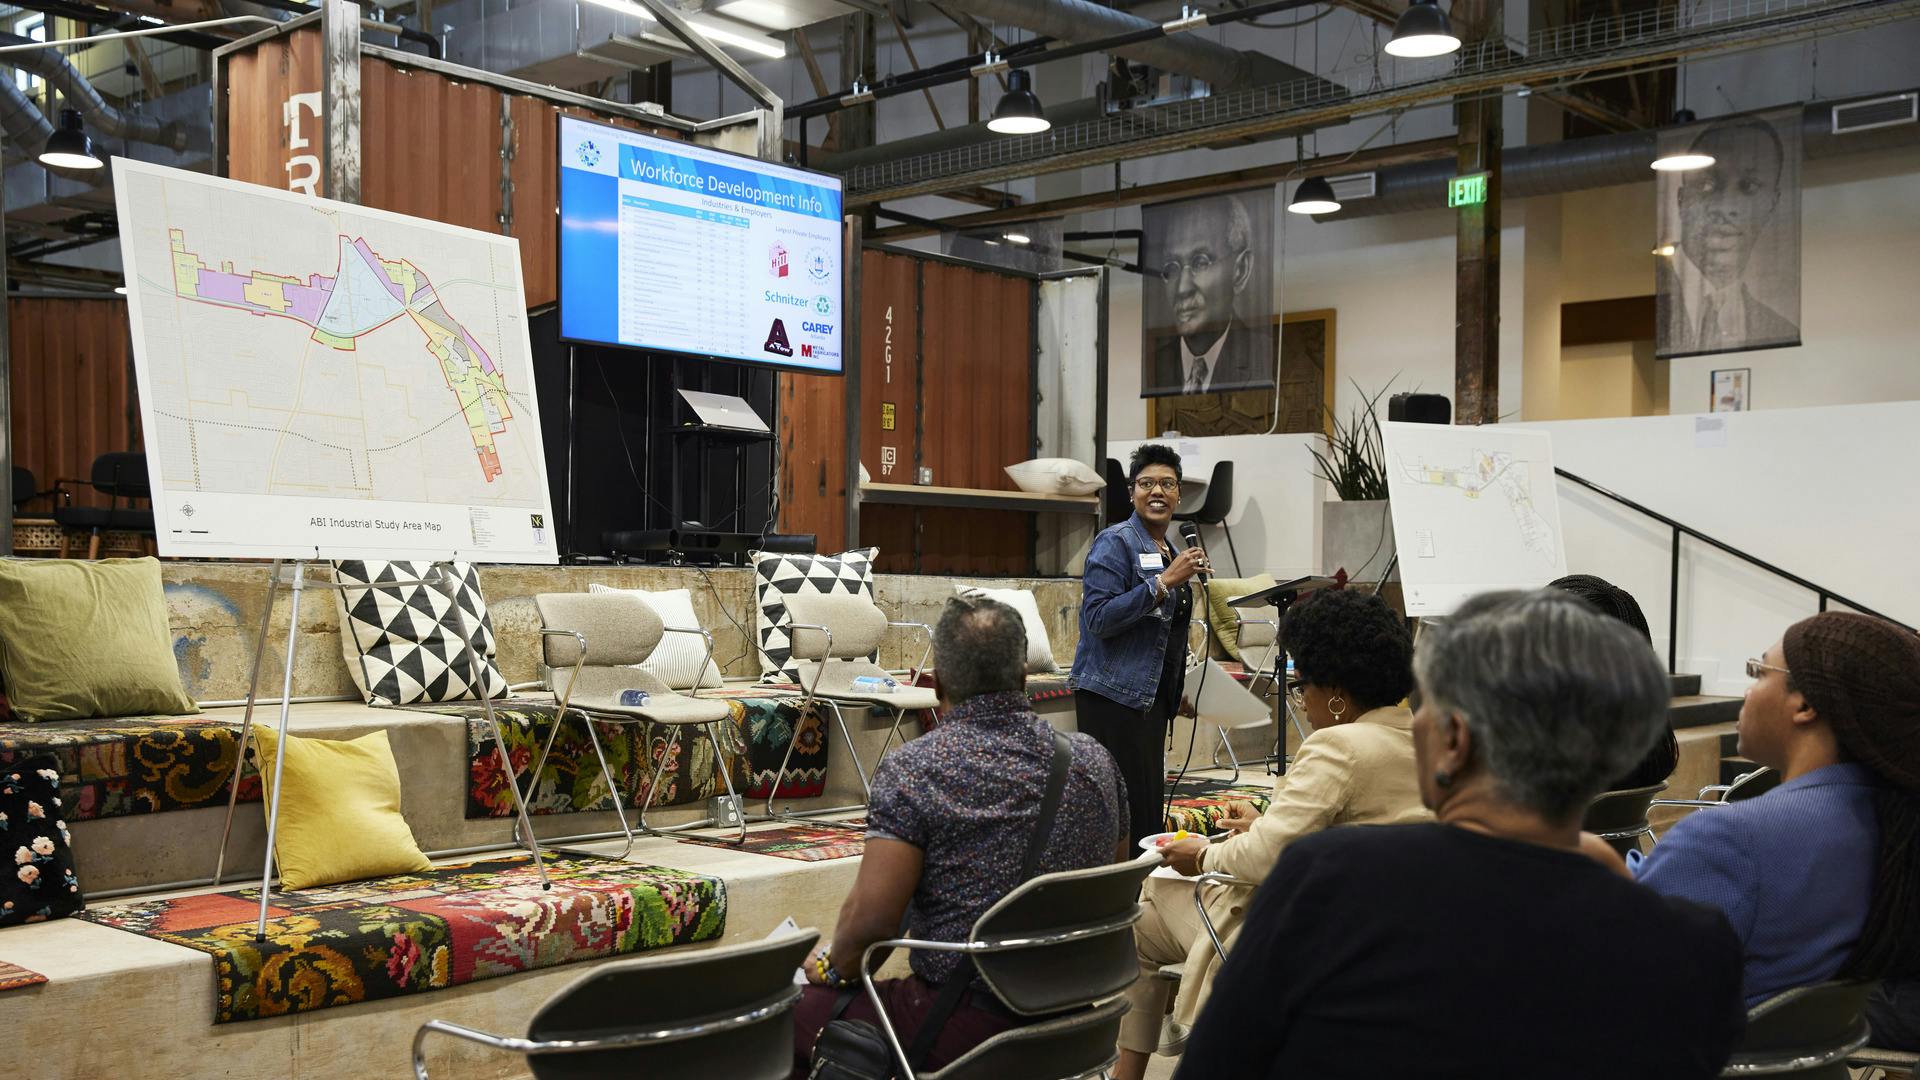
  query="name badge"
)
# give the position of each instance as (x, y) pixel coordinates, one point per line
(1151, 560)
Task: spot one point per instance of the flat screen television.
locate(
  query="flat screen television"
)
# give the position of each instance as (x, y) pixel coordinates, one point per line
(677, 248)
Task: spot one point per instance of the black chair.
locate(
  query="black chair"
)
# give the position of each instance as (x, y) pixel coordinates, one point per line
(1118, 501)
(1747, 785)
(1620, 817)
(1215, 507)
(1059, 947)
(120, 476)
(1808, 1031)
(25, 487)
(725, 1012)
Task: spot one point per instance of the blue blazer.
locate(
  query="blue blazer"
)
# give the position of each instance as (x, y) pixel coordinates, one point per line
(1124, 631)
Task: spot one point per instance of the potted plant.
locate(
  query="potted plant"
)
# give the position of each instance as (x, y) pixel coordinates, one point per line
(1357, 529)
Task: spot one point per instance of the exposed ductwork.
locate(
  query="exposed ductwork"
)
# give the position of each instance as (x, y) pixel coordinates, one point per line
(26, 126)
(1081, 20)
(105, 118)
(1598, 161)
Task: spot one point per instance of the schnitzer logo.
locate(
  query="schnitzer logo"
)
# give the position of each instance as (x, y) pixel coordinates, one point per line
(777, 340)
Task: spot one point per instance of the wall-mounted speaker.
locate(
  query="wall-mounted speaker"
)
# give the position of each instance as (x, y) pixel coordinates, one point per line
(1413, 408)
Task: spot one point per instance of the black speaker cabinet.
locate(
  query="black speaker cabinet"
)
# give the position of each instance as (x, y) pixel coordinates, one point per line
(1420, 408)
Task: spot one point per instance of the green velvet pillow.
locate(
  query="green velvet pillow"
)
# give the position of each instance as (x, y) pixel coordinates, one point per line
(1225, 620)
(87, 639)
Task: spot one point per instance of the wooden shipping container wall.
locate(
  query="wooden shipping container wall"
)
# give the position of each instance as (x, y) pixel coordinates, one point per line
(73, 393)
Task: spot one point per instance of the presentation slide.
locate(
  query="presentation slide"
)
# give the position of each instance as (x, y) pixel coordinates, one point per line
(677, 248)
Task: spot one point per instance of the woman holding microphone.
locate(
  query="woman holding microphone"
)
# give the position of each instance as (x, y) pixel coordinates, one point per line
(1134, 610)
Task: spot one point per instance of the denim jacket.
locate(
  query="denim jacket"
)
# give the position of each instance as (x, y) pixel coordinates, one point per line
(1124, 631)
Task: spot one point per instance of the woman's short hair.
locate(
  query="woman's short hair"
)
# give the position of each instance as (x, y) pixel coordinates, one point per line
(1352, 640)
(1153, 453)
(1560, 698)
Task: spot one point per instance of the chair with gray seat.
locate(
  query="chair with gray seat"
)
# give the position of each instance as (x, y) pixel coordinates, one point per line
(832, 635)
(1058, 948)
(1807, 1032)
(725, 1012)
(592, 645)
(1620, 817)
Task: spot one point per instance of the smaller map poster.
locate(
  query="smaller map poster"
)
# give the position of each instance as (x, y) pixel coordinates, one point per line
(1475, 509)
(324, 380)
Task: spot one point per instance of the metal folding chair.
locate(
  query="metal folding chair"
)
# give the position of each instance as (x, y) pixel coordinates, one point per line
(1747, 785)
(1620, 817)
(1808, 1032)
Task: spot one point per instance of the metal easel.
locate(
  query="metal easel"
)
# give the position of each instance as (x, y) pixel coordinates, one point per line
(440, 576)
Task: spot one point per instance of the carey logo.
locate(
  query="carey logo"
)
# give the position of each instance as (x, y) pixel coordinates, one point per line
(588, 153)
(824, 329)
(817, 265)
(777, 343)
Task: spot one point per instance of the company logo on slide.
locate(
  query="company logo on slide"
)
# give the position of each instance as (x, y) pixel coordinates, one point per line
(784, 298)
(823, 305)
(824, 329)
(777, 340)
(817, 265)
(777, 260)
(588, 153)
(818, 352)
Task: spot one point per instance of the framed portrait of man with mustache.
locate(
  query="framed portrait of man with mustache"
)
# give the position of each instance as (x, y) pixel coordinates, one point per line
(1728, 255)
(1207, 294)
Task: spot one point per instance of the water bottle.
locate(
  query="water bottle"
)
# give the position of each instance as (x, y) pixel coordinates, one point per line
(633, 699)
(874, 684)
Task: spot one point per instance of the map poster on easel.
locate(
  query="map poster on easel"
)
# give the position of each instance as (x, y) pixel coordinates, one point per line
(319, 379)
(1475, 509)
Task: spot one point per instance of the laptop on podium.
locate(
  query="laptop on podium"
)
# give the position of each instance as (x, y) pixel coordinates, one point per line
(723, 410)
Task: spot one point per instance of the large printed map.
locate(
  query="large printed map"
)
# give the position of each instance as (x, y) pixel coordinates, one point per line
(318, 378)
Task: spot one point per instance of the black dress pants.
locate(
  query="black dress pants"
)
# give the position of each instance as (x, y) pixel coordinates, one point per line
(1137, 740)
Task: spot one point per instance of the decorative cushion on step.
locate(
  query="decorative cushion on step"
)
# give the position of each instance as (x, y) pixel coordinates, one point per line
(1039, 647)
(403, 643)
(778, 576)
(87, 639)
(1226, 620)
(676, 660)
(36, 878)
(339, 810)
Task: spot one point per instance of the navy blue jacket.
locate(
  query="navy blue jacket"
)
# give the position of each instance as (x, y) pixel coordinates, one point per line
(1124, 631)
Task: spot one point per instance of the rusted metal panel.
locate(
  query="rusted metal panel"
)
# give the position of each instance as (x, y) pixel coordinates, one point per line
(73, 390)
(889, 365)
(432, 147)
(813, 458)
(274, 134)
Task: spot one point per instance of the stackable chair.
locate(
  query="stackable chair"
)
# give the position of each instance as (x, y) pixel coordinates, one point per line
(1747, 785)
(1808, 1032)
(725, 1012)
(1215, 507)
(1620, 817)
(1061, 947)
(1878, 1064)
(591, 645)
(832, 636)
(122, 477)
(1264, 635)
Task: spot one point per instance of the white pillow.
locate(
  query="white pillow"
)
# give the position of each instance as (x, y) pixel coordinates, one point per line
(676, 660)
(865, 476)
(1056, 476)
(1039, 649)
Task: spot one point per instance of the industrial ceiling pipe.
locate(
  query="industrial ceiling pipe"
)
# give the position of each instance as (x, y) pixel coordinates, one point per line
(105, 118)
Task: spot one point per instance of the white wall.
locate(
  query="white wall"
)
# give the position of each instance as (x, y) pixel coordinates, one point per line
(1276, 500)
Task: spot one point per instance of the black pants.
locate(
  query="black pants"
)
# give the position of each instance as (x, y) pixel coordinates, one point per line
(1137, 740)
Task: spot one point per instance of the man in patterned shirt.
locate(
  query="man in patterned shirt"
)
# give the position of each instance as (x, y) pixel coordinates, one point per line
(951, 815)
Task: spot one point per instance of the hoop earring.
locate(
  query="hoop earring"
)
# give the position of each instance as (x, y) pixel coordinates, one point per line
(1443, 778)
(1337, 712)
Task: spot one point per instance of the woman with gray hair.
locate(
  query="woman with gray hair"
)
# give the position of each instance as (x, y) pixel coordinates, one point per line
(1487, 944)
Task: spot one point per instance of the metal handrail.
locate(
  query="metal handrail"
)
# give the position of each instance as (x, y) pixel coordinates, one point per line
(1673, 580)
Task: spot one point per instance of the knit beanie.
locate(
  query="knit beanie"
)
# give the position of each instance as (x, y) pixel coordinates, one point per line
(1862, 676)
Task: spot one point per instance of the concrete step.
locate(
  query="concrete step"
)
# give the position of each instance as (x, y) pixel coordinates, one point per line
(1700, 710)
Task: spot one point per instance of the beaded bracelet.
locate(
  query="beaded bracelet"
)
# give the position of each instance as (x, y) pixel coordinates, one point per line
(824, 968)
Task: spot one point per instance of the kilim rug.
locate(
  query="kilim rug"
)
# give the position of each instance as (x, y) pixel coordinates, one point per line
(1199, 805)
(768, 714)
(13, 977)
(136, 764)
(411, 933)
(807, 843)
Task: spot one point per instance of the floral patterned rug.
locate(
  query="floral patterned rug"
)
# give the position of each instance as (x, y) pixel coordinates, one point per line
(806, 843)
(136, 764)
(13, 977)
(1199, 805)
(411, 933)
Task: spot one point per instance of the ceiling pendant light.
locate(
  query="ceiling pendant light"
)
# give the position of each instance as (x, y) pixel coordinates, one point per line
(1313, 196)
(1678, 160)
(70, 147)
(1422, 30)
(1019, 111)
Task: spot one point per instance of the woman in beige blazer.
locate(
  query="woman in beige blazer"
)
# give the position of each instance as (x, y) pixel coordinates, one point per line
(1353, 660)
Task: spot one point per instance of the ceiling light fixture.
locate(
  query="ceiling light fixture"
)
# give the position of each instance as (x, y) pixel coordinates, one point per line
(1422, 30)
(1665, 251)
(1019, 111)
(1016, 238)
(1313, 196)
(70, 147)
(1682, 160)
(764, 46)
(120, 289)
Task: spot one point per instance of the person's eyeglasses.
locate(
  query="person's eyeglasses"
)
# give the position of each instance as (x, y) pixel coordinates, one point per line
(1200, 264)
(1148, 486)
(1758, 670)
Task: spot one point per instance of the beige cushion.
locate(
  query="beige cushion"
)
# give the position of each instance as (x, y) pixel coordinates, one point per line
(856, 622)
(87, 639)
(1039, 647)
(1056, 476)
(620, 628)
(1226, 620)
(678, 657)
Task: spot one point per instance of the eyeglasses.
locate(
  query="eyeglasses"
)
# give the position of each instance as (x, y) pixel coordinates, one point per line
(1199, 264)
(1758, 670)
(1148, 486)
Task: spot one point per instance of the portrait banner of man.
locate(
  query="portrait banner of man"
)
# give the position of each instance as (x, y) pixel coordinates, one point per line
(1728, 269)
(1207, 294)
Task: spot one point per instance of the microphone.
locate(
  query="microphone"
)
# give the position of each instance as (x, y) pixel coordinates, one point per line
(1191, 534)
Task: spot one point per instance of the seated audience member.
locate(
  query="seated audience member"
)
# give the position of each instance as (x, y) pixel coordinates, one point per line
(1613, 600)
(1818, 876)
(1487, 944)
(1354, 662)
(952, 813)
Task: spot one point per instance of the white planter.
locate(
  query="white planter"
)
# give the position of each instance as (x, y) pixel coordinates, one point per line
(1357, 537)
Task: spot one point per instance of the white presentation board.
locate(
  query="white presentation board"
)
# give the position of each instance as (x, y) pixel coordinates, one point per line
(323, 380)
(1474, 509)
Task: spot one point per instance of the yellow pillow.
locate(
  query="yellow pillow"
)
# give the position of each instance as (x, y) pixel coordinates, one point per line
(339, 810)
(86, 639)
(1225, 620)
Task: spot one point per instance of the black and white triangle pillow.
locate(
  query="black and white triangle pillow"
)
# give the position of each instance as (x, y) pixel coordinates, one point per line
(403, 643)
(776, 577)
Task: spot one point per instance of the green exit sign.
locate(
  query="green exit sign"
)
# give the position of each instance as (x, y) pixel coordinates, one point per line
(1470, 190)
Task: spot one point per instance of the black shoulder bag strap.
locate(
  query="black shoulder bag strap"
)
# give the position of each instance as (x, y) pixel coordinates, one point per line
(957, 984)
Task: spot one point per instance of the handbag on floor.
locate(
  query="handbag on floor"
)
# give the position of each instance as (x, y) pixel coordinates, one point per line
(857, 1049)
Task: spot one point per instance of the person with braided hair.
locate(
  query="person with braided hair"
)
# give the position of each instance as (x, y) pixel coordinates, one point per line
(1618, 603)
(1821, 876)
